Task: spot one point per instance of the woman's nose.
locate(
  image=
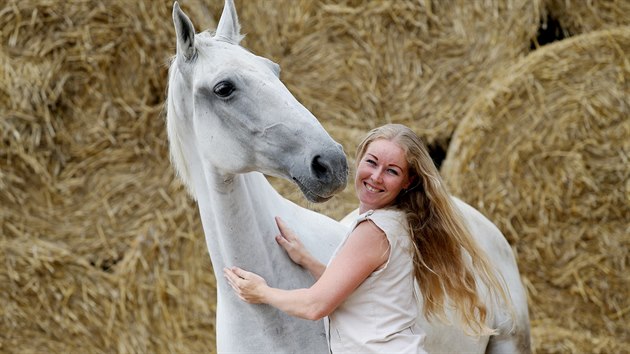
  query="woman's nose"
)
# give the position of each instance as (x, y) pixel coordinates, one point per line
(377, 175)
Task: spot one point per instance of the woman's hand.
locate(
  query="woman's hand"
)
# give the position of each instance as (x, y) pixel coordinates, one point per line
(296, 250)
(291, 243)
(248, 286)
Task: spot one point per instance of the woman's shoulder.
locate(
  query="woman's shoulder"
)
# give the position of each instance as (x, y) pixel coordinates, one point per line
(387, 214)
(386, 219)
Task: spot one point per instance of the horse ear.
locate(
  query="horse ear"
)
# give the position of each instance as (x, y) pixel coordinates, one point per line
(229, 29)
(185, 33)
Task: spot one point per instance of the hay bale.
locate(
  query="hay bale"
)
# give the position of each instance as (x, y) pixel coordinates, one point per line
(360, 64)
(102, 249)
(545, 154)
(579, 16)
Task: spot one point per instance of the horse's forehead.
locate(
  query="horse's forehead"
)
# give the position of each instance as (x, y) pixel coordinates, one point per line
(218, 53)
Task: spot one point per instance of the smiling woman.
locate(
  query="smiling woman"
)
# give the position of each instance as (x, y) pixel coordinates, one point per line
(402, 236)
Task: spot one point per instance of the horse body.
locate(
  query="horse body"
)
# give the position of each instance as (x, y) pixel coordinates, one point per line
(229, 120)
(513, 334)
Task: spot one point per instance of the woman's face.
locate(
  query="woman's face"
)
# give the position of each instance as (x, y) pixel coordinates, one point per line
(381, 174)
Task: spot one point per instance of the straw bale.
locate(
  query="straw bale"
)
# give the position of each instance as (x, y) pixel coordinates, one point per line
(579, 16)
(102, 250)
(359, 64)
(545, 154)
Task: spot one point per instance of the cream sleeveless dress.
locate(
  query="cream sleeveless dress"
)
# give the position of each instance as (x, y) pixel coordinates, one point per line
(380, 315)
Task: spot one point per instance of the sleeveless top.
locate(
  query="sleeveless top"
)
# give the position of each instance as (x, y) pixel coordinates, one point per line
(380, 315)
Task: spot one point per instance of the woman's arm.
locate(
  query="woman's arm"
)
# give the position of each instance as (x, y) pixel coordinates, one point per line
(365, 250)
(252, 288)
(296, 250)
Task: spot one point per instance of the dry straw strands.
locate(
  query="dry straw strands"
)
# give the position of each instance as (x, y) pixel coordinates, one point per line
(580, 16)
(101, 249)
(545, 153)
(359, 64)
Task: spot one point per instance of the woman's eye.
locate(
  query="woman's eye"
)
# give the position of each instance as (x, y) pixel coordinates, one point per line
(393, 172)
(224, 89)
(370, 162)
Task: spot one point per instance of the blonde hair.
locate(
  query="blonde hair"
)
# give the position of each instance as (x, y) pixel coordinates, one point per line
(439, 234)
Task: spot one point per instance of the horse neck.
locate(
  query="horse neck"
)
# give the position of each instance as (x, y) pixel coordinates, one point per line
(236, 211)
(237, 217)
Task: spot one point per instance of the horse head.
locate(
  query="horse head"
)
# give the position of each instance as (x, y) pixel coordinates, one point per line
(232, 108)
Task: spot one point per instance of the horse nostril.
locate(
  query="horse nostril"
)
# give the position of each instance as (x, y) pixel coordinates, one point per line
(319, 168)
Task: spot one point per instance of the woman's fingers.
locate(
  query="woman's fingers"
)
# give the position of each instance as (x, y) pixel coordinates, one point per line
(235, 277)
(284, 238)
(282, 241)
(290, 242)
(230, 277)
(238, 280)
(243, 274)
(285, 231)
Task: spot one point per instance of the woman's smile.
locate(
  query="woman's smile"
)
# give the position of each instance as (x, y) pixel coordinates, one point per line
(372, 189)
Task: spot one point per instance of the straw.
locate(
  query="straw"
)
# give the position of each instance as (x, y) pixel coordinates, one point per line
(102, 250)
(544, 153)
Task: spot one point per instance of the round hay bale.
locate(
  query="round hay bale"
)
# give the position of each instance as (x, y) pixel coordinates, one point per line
(360, 64)
(579, 16)
(545, 154)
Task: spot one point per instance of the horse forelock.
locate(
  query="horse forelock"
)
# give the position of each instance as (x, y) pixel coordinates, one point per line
(205, 38)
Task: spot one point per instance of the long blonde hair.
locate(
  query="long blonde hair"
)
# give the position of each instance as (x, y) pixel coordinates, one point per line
(439, 234)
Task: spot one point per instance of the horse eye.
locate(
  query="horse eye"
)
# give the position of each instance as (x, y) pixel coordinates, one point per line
(224, 89)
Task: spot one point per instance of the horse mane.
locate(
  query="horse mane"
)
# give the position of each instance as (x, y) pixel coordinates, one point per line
(235, 41)
(177, 156)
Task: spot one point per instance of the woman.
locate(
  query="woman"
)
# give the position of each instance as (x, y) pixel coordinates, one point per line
(408, 229)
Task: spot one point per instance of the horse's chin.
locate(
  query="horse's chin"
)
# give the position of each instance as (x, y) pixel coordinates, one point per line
(310, 195)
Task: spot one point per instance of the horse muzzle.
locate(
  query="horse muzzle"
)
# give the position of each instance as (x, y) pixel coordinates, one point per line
(326, 175)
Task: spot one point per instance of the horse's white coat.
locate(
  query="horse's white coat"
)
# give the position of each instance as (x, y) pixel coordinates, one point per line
(220, 147)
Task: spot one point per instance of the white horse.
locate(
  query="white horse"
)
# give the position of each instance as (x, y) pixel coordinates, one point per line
(229, 120)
